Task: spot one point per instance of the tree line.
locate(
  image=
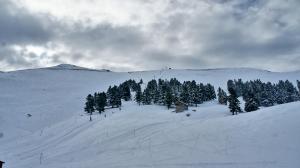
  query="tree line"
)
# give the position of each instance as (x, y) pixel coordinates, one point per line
(160, 92)
(258, 94)
(167, 92)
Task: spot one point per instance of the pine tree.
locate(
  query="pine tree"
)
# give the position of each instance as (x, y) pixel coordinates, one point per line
(146, 97)
(267, 97)
(234, 103)
(138, 95)
(251, 103)
(185, 95)
(210, 92)
(109, 95)
(222, 96)
(157, 97)
(100, 101)
(169, 98)
(202, 92)
(126, 95)
(141, 81)
(196, 95)
(114, 97)
(96, 100)
(89, 105)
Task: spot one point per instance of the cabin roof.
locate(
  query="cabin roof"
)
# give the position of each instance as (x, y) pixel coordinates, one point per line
(178, 102)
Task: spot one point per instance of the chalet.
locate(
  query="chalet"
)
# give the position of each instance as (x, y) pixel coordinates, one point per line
(180, 106)
(1, 163)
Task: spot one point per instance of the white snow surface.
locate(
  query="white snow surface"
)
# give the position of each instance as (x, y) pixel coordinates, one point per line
(58, 133)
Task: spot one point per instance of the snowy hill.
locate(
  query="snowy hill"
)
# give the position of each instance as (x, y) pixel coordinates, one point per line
(42, 124)
(72, 67)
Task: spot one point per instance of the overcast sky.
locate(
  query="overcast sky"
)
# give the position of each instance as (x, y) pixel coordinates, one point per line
(126, 35)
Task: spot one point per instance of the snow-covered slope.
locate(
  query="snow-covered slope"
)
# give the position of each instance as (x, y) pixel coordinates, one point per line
(72, 67)
(58, 133)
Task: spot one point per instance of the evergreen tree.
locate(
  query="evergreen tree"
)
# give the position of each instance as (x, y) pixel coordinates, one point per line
(96, 100)
(89, 105)
(108, 95)
(169, 98)
(234, 103)
(157, 97)
(222, 96)
(202, 92)
(196, 95)
(141, 81)
(100, 101)
(146, 97)
(292, 93)
(210, 92)
(267, 97)
(185, 95)
(138, 95)
(151, 88)
(251, 103)
(114, 97)
(126, 95)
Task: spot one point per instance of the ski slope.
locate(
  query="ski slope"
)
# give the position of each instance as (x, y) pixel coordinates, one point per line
(58, 133)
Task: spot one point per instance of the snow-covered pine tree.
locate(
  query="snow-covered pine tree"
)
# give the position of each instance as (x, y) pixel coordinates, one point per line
(157, 96)
(292, 93)
(138, 94)
(267, 98)
(210, 90)
(146, 99)
(185, 95)
(168, 98)
(281, 94)
(151, 88)
(234, 103)
(251, 103)
(238, 87)
(197, 97)
(126, 93)
(115, 97)
(222, 96)
(202, 92)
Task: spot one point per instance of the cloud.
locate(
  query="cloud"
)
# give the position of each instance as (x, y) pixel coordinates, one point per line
(103, 37)
(176, 33)
(230, 33)
(18, 26)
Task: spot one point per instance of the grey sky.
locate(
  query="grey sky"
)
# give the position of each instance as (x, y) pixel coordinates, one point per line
(150, 34)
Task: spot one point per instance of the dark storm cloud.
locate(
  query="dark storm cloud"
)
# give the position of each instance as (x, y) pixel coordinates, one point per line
(105, 36)
(18, 26)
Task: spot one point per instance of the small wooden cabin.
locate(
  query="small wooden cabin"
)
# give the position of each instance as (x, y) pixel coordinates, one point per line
(180, 106)
(1, 163)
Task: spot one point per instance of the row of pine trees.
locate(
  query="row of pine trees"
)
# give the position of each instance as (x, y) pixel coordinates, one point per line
(168, 92)
(258, 94)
